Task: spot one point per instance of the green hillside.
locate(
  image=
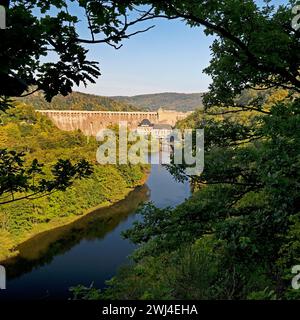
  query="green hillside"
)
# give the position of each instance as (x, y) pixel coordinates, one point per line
(77, 101)
(168, 100)
(24, 130)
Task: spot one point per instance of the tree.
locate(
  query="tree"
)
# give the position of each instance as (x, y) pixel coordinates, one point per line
(248, 195)
(251, 195)
(36, 29)
(29, 183)
(255, 46)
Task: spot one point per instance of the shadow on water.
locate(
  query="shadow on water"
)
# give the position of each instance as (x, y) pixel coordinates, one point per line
(89, 250)
(41, 249)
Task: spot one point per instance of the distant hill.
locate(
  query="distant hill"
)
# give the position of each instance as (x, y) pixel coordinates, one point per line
(90, 102)
(168, 100)
(77, 101)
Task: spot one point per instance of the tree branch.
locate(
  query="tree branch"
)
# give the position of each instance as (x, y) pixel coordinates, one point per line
(252, 59)
(29, 197)
(28, 94)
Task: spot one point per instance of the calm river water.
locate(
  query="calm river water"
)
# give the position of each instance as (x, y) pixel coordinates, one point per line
(89, 250)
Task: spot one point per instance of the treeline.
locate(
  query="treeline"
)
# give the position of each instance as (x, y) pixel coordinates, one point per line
(24, 130)
(238, 236)
(167, 100)
(77, 101)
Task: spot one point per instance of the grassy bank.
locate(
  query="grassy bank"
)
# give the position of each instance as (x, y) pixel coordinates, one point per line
(24, 130)
(24, 220)
(20, 232)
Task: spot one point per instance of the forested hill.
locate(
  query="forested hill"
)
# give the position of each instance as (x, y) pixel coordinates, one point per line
(168, 100)
(24, 130)
(77, 101)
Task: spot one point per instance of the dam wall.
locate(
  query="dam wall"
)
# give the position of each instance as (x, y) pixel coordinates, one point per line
(90, 122)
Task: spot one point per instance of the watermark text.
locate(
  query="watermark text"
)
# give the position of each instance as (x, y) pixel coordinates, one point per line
(125, 146)
(296, 18)
(2, 17)
(2, 278)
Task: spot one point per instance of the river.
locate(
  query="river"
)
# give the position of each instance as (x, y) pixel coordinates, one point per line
(90, 250)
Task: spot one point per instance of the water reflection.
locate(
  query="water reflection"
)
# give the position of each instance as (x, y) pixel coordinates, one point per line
(89, 250)
(41, 249)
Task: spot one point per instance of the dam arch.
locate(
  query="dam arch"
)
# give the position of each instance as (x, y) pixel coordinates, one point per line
(90, 122)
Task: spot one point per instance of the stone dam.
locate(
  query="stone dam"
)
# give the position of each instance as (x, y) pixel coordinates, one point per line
(90, 122)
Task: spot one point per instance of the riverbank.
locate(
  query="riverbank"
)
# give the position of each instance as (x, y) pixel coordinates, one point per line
(24, 130)
(10, 241)
(89, 250)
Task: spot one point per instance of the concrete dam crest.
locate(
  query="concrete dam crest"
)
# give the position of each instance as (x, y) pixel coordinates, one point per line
(90, 122)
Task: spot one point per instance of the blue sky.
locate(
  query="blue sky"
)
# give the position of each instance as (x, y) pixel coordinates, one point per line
(168, 58)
